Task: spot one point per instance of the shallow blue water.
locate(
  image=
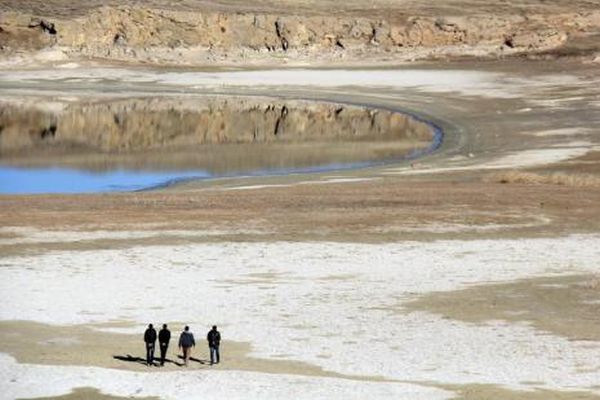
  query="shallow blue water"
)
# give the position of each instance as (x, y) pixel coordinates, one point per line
(64, 180)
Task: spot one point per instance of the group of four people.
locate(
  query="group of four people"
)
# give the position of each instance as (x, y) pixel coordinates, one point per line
(186, 342)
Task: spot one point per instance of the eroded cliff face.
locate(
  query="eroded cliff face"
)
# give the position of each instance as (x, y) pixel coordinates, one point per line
(150, 35)
(187, 133)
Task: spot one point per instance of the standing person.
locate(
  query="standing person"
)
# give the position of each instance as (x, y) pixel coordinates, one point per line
(164, 336)
(186, 342)
(150, 340)
(214, 340)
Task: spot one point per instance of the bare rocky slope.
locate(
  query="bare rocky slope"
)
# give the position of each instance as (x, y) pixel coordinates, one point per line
(201, 33)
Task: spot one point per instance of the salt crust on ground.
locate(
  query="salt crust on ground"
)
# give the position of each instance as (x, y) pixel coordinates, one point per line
(519, 159)
(32, 235)
(465, 82)
(26, 381)
(338, 306)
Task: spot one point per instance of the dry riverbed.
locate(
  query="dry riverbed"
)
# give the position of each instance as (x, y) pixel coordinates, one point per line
(470, 273)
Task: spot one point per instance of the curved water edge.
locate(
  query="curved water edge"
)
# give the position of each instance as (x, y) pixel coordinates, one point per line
(438, 137)
(202, 138)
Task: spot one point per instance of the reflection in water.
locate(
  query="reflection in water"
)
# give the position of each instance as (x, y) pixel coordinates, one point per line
(211, 136)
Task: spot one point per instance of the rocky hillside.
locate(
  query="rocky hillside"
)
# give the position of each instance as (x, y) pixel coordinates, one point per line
(200, 35)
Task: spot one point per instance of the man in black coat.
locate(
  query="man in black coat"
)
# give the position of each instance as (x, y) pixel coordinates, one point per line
(163, 341)
(150, 340)
(214, 340)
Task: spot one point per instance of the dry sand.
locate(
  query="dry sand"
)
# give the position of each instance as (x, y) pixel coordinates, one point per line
(565, 306)
(478, 392)
(90, 393)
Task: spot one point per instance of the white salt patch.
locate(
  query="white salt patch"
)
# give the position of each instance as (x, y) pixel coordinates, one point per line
(70, 65)
(307, 315)
(254, 187)
(519, 159)
(448, 228)
(529, 158)
(579, 143)
(20, 381)
(314, 182)
(50, 54)
(466, 82)
(32, 235)
(339, 180)
(561, 132)
(557, 103)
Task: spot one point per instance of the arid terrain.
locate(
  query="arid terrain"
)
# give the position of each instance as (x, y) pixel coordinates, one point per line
(310, 32)
(449, 249)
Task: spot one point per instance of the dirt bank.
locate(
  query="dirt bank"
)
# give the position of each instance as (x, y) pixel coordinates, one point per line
(200, 33)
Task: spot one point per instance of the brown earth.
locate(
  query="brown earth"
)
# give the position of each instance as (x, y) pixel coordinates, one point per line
(564, 306)
(373, 211)
(90, 394)
(481, 392)
(31, 342)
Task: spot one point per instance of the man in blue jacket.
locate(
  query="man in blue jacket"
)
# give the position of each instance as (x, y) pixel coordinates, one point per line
(186, 342)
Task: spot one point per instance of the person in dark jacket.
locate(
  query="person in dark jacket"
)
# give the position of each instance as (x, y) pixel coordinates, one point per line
(214, 340)
(150, 340)
(186, 342)
(164, 336)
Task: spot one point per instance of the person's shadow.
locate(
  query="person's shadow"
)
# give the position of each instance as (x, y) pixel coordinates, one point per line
(142, 361)
(203, 362)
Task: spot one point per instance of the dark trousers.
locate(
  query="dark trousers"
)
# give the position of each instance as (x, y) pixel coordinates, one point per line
(150, 353)
(163, 352)
(214, 354)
